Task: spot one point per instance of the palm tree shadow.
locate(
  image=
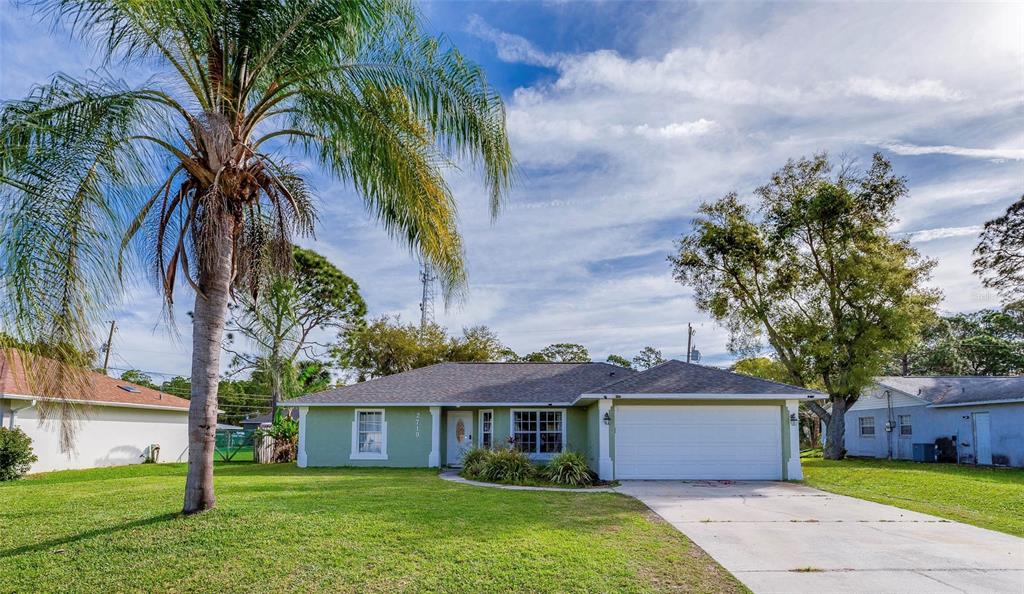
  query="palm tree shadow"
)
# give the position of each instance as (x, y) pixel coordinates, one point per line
(56, 542)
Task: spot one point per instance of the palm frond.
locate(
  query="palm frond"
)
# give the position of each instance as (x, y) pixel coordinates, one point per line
(372, 139)
(67, 180)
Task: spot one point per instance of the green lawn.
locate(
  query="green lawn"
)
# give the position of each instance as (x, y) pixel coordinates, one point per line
(277, 527)
(987, 497)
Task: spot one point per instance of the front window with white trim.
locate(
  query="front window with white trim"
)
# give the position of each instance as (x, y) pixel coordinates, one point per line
(867, 426)
(487, 429)
(369, 435)
(540, 432)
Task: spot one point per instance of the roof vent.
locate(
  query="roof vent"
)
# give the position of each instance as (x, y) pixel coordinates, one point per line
(131, 389)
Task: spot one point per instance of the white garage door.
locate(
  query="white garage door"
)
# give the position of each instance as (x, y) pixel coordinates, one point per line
(698, 442)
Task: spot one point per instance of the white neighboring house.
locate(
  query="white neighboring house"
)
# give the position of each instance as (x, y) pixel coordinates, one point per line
(118, 421)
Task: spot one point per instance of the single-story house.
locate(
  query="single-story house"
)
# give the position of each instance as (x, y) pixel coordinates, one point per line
(983, 416)
(673, 421)
(117, 422)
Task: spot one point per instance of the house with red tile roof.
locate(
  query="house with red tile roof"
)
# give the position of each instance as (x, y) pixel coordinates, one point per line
(115, 422)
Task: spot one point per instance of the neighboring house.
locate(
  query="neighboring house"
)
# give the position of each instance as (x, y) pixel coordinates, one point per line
(984, 416)
(265, 421)
(673, 421)
(118, 422)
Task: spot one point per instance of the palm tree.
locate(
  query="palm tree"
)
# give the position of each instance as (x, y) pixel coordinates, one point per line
(195, 157)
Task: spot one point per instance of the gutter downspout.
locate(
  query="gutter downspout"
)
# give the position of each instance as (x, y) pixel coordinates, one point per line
(14, 412)
(890, 423)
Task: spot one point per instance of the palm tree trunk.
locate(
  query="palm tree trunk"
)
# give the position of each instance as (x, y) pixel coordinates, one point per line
(209, 315)
(276, 373)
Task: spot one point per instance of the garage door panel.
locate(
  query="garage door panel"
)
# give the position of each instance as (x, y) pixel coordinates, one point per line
(698, 442)
(723, 436)
(701, 471)
(700, 453)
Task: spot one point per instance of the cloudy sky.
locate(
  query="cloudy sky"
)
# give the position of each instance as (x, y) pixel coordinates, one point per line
(625, 116)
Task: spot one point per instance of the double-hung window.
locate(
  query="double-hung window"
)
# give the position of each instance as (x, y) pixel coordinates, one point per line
(487, 429)
(905, 427)
(540, 432)
(369, 435)
(867, 426)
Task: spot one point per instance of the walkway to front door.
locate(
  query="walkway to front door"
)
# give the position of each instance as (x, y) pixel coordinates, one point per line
(460, 435)
(783, 537)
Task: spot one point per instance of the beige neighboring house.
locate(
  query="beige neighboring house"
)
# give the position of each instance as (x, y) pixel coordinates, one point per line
(119, 422)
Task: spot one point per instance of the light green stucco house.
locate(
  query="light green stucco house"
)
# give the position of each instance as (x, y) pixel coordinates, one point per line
(673, 421)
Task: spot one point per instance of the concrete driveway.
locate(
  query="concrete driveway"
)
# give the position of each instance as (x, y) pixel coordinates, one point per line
(784, 537)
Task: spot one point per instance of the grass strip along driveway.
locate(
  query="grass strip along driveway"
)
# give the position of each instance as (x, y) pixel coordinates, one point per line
(987, 497)
(277, 527)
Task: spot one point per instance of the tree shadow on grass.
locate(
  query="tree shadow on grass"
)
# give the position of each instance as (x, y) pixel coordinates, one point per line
(56, 542)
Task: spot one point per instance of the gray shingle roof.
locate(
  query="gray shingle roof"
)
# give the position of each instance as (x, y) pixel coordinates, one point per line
(269, 418)
(957, 389)
(677, 377)
(476, 383)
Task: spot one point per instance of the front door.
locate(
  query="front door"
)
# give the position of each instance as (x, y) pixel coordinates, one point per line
(982, 438)
(460, 435)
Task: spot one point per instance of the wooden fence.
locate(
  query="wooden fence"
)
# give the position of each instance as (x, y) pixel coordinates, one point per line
(263, 449)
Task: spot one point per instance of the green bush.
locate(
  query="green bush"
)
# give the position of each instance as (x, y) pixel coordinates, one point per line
(285, 432)
(569, 468)
(15, 454)
(507, 466)
(473, 462)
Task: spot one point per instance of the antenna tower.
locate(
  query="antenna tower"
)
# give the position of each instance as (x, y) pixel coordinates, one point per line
(427, 277)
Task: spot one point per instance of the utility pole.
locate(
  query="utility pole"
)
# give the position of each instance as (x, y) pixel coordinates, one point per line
(427, 277)
(107, 347)
(689, 341)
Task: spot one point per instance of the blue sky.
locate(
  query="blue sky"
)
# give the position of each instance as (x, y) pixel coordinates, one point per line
(625, 116)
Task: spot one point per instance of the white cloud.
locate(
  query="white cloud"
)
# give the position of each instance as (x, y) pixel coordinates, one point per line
(1013, 154)
(925, 235)
(883, 90)
(689, 71)
(677, 130)
(510, 48)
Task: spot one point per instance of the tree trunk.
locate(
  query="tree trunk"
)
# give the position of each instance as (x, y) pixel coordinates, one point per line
(835, 437)
(209, 315)
(275, 384)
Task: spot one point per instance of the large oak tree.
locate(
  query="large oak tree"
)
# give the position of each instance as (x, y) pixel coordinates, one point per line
(813, 272)
(1000, 253)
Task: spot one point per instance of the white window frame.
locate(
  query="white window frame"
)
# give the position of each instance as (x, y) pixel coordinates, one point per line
(909, 425)
(480, 440)
(354, 453)
(861, 426)
(538, 455)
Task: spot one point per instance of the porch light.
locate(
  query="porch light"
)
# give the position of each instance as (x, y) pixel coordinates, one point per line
(607, 419)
